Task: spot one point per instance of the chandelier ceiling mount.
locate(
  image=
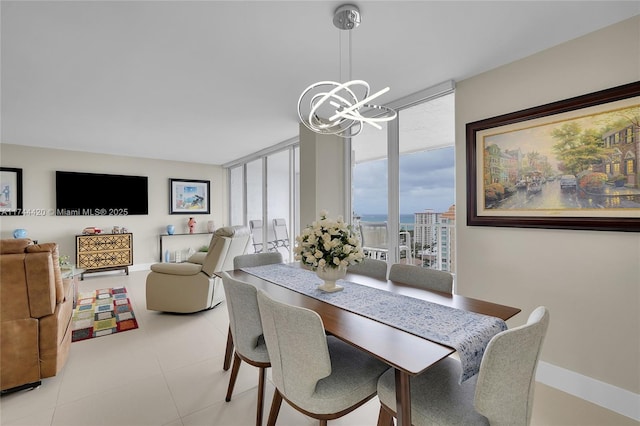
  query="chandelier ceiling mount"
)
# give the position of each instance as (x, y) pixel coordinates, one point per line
(342, 109)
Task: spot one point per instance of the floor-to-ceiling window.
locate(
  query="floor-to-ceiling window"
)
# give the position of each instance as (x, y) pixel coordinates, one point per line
(405, 177)
(263, 195)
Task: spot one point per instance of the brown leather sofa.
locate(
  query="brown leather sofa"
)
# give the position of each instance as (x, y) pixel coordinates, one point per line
(36, 309)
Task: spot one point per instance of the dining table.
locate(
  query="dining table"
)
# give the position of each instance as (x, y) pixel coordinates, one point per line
(407, 353)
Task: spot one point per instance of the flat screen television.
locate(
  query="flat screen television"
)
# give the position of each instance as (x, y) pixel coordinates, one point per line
(95, 194)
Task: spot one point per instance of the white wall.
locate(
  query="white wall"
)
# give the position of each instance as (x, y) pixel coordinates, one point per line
(38, 173)
(589, 280)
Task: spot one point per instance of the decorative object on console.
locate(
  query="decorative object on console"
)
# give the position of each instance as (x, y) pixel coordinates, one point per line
(91, 230)
(20, 233)
(332, 108)
(171, 229)
(328, 246)
(211, 227)
(192, 225)
(189, 196)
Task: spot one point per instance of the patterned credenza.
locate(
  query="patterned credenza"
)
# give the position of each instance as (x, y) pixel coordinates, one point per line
(104, 252)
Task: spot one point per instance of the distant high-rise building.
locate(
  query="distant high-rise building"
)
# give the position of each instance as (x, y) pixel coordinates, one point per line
(434, 235)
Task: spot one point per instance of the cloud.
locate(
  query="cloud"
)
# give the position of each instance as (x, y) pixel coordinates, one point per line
(427, 181)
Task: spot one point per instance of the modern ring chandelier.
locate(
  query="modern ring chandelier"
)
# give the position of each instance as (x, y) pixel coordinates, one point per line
(342, 109)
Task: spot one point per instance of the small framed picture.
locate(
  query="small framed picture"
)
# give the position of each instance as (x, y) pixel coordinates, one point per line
(10, 191)
(189, 196)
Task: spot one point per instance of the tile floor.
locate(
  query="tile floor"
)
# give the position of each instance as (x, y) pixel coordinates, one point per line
(169, 372)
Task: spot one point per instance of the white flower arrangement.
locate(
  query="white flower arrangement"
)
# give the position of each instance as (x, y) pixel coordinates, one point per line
(328, 243)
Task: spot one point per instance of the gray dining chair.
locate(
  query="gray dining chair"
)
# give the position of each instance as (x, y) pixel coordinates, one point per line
(500, 394)
(245, 261)
(257, 259)
(418, 276)
(322, 377)
(248, 339)
(370, 267)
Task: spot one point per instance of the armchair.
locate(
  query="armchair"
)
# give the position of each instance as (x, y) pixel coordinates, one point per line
(36, 310)
(192, 286)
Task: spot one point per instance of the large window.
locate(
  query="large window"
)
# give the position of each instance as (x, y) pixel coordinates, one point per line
(263, 192)
(405, 177)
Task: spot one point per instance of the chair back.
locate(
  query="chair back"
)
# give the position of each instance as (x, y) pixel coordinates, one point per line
(297, 347)
(418, 276)
(281, 232)
(227, 243)
(370, 267)
(244, 316)
(257, 259)
(504, 390)
(256, 235)
(373, 235)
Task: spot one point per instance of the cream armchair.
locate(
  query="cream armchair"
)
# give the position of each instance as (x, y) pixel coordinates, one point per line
(192, 286)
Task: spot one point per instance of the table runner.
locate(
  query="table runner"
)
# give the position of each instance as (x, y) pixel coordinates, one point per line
(466, 332)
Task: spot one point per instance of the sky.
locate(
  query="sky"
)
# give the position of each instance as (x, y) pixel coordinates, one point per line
(427, 181)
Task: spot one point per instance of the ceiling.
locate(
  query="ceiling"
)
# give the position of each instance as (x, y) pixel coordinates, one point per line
(214, 81)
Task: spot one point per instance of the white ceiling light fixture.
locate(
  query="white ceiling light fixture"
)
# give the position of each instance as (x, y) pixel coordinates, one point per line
(333, 108)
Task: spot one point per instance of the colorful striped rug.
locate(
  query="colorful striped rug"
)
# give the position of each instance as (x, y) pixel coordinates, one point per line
(101, 313)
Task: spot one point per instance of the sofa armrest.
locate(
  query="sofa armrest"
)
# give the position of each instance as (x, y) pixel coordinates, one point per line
(185, 268)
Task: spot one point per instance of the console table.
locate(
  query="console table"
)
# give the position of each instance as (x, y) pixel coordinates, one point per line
(104, 252)
(163, 236)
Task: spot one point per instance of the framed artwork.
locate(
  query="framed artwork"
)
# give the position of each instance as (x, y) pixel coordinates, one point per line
(10, 191)
(571, 164)
(188, 196)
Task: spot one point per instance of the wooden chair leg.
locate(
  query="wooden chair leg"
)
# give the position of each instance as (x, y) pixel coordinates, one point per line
(261, 380)
(385, 418)
(234, 376)
(275, 408)
(228, 351)
(323, 422)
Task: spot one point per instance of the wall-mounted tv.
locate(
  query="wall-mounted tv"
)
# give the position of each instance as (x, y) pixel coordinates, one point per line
(95, 194)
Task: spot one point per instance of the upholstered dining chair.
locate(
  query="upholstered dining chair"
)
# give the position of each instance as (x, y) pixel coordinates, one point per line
(248, 339)
(500, 394)
(370, 267)
(243, 261)
(322, 377)
(418, 276)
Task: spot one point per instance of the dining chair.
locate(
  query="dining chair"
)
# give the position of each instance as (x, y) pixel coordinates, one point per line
(500, 394)
(321, 377)
(370, 267)
(248, 339)
(418, 276)
(244, 261)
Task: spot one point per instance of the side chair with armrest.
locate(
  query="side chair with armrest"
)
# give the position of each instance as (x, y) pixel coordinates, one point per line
(500, 394)
(321, 377)
(192, 286)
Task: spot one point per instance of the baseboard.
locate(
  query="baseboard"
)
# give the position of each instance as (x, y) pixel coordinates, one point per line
(600, 393)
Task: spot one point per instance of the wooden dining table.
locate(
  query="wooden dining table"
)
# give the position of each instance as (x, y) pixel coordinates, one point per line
(407, 353)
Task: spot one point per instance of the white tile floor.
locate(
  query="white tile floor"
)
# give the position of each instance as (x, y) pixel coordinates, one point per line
(169, 372)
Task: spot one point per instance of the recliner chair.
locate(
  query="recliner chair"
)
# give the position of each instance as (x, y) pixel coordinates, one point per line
(192, 286)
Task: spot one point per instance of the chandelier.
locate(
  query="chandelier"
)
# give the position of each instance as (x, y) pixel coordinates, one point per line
(342, 109)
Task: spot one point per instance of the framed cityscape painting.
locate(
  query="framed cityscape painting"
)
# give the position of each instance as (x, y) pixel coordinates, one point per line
(10, 191)
(570, 164)
(189, 196)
